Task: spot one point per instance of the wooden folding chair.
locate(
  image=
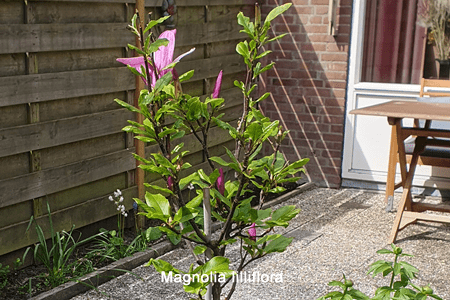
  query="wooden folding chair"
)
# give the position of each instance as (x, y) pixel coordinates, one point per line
(436, 153)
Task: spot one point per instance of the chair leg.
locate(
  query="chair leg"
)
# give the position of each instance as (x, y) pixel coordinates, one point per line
(393, 159)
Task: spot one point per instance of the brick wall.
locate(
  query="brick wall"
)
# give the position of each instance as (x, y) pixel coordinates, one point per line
(308, 84)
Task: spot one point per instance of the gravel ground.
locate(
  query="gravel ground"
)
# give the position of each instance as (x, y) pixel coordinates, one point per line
(337, 232)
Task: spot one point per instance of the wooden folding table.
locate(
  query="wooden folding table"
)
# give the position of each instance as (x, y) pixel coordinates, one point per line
(410, 211)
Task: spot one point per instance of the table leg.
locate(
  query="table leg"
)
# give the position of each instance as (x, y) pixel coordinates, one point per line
(390, 182)
(406, 200)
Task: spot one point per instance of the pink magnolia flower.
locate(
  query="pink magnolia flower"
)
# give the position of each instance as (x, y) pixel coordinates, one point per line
(218, 85)
(170, 183)
(162, 58)
(252, 232)
(221, 183)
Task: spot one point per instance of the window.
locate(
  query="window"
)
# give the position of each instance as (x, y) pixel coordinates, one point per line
(394, 44)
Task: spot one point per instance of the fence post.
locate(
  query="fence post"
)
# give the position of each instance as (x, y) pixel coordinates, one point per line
(140, 149)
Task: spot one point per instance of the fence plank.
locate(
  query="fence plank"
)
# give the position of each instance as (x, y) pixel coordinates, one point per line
(156, 3)
(81, 215)
(39, 184)
(19, 38)
(208, 33)
(210, 67)
(43, 87)
(48, 134)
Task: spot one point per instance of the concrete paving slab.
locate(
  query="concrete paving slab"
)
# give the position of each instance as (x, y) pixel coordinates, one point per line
(337, 231)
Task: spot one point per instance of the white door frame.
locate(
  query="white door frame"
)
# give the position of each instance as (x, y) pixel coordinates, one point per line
(369, 139)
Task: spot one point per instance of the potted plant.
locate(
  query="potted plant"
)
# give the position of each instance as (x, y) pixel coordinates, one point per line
(435, 16)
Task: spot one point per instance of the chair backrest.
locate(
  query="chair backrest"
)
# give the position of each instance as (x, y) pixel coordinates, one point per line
(434, 88)
(437, 91)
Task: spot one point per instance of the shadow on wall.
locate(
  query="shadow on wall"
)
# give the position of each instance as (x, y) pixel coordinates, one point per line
(308, 85)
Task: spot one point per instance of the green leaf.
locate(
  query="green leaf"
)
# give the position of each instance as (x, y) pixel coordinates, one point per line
(173, 238)
(153, 23)
(218, 264)
(279, 244)
(196, 201)
(159, 204)
(282, 216)
(185, 214)
(139, 51)
(254, 131)
(158, 43)
(203, 176)
(264, 54)
(127, 106)
(162, 82)
(263, 97)
(357, 295)
(158, 188)
(153, 233)
(266, 68)
(199, 249)
(277, 37)
(224, 125)
(245, 22)
(163, 161)
(186, 76)
(276, 12)
(336, 283)
(167, 132)
(242, 49)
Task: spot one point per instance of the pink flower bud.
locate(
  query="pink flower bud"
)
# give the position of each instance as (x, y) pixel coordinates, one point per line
(170, 183)
(218, 85)
(252, 232)
(221, 183)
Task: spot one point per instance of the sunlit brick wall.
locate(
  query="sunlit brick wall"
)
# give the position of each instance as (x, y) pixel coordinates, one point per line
(308, 84)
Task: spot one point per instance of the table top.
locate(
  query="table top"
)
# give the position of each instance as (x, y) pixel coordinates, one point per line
(407, 109)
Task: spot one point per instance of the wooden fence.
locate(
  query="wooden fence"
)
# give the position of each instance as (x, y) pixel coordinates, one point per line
(60, 130)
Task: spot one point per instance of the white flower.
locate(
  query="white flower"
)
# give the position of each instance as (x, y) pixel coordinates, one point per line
(117, 193)
(190, 186)
(110, 198)
(125, 215)
(121, 199)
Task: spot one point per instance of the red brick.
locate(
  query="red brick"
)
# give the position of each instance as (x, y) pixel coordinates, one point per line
(316, 20)
(333, 102)
(339, 93)
(302, 10)
(284, 82)
(334, 47)
(337, 66)
(301, 37)
(316, 28)
(343, 29)
(335, 84)
(300, 2)
(311, 83)
(334, 57)
(283, 19)
(321, 38)
(320, 2)
(286, 64)
(331, 111)
(317, 92)
(330, 75)
(345, 10)
(321, 10)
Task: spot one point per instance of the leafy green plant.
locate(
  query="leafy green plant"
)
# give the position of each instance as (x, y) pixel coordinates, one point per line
(110, 245)
(56, 255)
(401, 273)
(4, 272)
(168, 115)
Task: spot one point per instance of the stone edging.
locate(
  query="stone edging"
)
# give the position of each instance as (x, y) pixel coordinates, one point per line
(102, 275)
